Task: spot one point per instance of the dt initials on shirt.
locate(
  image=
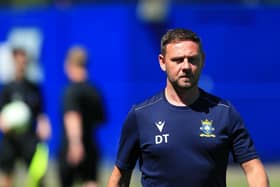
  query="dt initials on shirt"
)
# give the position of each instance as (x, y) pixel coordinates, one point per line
(161, 138)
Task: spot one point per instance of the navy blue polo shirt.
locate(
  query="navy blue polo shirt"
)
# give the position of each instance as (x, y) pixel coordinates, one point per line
(183, 146)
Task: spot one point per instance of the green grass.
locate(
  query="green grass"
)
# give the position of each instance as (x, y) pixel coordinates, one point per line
(235, 176)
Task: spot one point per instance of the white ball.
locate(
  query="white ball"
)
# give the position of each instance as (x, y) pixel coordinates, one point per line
(16, 115)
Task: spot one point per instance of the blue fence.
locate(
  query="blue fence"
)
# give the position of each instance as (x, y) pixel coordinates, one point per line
(242, 60)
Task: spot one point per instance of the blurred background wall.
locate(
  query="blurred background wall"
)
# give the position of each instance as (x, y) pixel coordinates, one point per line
(241, 40)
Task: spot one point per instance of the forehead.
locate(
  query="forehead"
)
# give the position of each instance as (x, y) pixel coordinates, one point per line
(182, 48)
(19, 53)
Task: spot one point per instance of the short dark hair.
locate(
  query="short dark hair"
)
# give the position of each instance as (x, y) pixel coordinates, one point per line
(177, 35)
(19, 50)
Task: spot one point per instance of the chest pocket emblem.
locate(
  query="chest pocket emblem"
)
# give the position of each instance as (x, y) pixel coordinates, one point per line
(207, 129)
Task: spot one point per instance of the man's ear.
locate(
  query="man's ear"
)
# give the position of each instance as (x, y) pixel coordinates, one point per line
(161, 61)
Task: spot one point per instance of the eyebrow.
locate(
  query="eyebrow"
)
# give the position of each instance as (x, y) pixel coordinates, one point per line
(178, 57)
(184, 56)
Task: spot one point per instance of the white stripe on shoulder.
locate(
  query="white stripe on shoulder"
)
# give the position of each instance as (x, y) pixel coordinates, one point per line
(221, 104)
(148, 104)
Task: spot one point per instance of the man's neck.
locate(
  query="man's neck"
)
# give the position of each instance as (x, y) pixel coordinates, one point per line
(79, 76)
(19, 78)
(181, 97)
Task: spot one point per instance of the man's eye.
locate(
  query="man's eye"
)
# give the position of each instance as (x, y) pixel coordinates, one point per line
(178, 60)
(194, 59)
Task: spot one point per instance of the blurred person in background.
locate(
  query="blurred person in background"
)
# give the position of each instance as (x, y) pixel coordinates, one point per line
(22, 120)
(183, 135)
(83, 110)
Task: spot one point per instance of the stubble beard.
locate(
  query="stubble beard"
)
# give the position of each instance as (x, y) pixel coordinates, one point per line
(186, 86)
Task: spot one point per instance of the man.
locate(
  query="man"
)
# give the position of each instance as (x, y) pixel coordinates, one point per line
(183, 135)
(26, 99)
(83, 110)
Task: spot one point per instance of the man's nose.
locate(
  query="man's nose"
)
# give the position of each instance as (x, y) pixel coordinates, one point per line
(186, 64)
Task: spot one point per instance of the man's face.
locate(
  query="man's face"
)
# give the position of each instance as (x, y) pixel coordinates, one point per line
(21, 61)
(182, 64)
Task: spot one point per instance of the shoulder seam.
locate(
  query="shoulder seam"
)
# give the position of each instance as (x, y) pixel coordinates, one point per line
(224, 105)
(148, 104)
(219, 104)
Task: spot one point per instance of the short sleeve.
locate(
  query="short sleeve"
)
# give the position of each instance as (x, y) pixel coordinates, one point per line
(4, 97)
(128, 151)
(243, 148)
(71, 100)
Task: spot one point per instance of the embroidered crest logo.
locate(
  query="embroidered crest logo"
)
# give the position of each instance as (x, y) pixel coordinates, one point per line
(207, 129)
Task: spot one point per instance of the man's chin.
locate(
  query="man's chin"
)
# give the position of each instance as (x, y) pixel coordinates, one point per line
(185, 86)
